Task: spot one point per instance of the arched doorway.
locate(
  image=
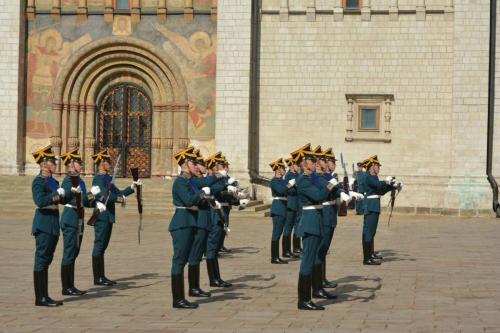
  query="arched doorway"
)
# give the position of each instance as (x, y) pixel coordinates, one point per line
(124, 121)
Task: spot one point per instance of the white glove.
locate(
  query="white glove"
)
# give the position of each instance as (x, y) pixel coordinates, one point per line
(356, 195)
(206, 190)
(231, 181)
(398, 185)
(244, 202)
(61, 191)
(217, 205)
(76, 189)
(223, 172)
(232, 189)
(333, 181)
(242, 195)
(351, 182)
(292, 182)
(344, 197)
(389, 179)
(100, 207)
(136, 183)
(95, 190)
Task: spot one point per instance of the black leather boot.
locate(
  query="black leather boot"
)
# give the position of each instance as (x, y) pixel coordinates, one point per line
(98, 275)
(304, 291)
(222, 248)
(76, 291)
(367, 259)
(287, 248)
(179, 301)
(194, 282)
(67, 279)
(374, 254)
(45, 289)
(103, 271)
(223, 283)
(325, 283)
(275, 259)
(296, 245)
(214, 278)
(41, 290)
(317, 288)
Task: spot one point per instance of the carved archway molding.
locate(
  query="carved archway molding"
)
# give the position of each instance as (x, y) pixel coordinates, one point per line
(119, 60)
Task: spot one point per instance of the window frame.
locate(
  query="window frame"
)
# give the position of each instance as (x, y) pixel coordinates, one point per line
(375, 107)
(344, 5)
(122, 11)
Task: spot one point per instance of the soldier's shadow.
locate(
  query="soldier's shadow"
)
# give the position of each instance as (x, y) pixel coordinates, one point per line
(238, 283)
(125, 283)
(243, 249)
(226, 296)
(391, 255)
(349, 291)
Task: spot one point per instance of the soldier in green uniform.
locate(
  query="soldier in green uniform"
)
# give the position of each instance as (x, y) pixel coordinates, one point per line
(198, 181)
(312, 193)
(228, 200)
(109, 195)
(374, 189)
(71, 229)
(46, 195)
(279, 189)
(360, 178)
(291, 208)
(215, 165)
(297, 157)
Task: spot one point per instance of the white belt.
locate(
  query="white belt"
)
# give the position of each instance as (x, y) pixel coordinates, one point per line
(224, 204)
(312, 207)
(329, 203)
(69, 206)
(280, 198)
(190, 208)
(375, 196)
(53, 207)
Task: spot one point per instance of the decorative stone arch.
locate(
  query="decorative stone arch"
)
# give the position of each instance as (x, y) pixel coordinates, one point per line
(115, 60)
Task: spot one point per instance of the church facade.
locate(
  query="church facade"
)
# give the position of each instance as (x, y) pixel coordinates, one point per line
(404, 79)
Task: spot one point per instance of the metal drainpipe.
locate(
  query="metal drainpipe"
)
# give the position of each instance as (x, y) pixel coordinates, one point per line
(253, 128)
(491, 107)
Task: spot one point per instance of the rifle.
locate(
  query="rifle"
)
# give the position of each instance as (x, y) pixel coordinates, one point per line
(345, 184)
(75, 182)
(138, 189)
(392, 201)
(352, 203)
(95, 214)
(220, 214)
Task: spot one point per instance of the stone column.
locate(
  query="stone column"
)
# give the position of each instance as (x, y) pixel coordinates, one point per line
(338, 11)
(55, 12)
(448, 10)
(285, 11)
(55, 139)
(135, 12)
(387, 123)
(157, 161)
(311, 11)
(82, 11)
(167, 141)
(394, 10)
(421, 10)
(213, 11)
(108, 11)
(188, 10)
(350, 116)
(30, 10)
(366, 11)
(162, 10)
(180, 130)
(89, 142)
(73, 126)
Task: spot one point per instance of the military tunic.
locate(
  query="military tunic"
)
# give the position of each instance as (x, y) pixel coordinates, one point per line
(292, 205)
(311, 196)
(203, 221)
(279, 206)
(45, 225)
(374, 188)
(106, 219)
(360, 179)
(186, 199)
(216, 229)
(69, 220)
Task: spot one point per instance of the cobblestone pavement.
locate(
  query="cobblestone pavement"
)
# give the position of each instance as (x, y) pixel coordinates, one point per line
(440, 274)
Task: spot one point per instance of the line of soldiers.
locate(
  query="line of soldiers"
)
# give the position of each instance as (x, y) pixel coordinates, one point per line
(307, 199)
(48, 195)
(203, 195)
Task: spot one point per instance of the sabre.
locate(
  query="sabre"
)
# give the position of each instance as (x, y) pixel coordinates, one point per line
(394, 193)
(345, 183)
(135, 176)
(75, 182)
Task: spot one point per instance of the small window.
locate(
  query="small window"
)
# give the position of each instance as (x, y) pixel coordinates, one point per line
(368, 118)
(352, 4)
(122, 4)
